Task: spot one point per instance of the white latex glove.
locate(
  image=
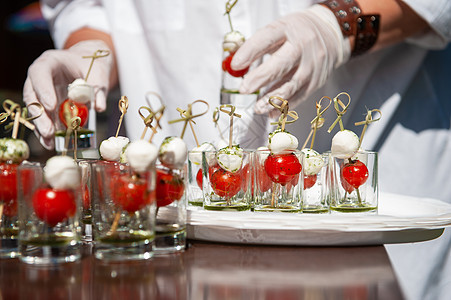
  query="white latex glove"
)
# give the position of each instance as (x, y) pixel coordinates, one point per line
(305, 46)
(50, 74)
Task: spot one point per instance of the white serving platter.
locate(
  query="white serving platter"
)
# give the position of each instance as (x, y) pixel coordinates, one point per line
(400, 219)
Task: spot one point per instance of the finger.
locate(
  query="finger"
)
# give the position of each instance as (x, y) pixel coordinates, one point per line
(263, 41)
(100, 100)
(276, 67)
(40, 83)
(44, 124)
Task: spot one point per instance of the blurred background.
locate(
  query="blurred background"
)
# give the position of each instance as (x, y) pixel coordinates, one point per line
(24, 36)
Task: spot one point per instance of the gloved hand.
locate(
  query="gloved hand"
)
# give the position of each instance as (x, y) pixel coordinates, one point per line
(305, 46)
(50, 74)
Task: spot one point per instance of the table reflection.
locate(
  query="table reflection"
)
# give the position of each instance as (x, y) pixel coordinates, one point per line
(213, 271)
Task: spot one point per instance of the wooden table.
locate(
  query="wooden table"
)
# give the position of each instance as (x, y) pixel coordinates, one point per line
(212, 271)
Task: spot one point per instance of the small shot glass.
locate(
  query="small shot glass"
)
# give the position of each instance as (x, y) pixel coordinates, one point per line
(315, 196)
(171, 211)
(224, 189)
(85, 140)
(353, 183)
(123, 212)
(49, 230)
(9, 227)
(278, 181)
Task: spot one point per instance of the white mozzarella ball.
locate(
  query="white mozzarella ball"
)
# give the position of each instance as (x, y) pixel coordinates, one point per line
(230, 159)
(14, 150)
(282, 141)
(111, 148)
(345, 144)
(61, 172)
(141, 154)
(232, 41)
(195, 155)
(80, 91)
(313, 161)
(173, 152)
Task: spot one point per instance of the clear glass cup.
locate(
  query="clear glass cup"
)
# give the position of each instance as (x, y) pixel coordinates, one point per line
(226, 190)
(171, 210)
(49, 230)
(86, 134)
(123, 212)
(195, 179)
(278, 181)
(315, 196)
(353, 183)
(248, 128)
(9, 226)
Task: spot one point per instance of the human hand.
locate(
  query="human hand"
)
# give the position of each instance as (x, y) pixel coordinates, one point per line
(50, 74)
(305, 47)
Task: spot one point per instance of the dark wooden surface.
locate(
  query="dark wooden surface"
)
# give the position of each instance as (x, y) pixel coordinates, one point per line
(213, 271)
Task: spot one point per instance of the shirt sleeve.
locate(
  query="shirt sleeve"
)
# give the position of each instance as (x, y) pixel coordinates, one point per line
(437, 13)
(67, 16)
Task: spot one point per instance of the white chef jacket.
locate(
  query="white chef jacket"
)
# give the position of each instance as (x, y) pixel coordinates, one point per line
(174, 48)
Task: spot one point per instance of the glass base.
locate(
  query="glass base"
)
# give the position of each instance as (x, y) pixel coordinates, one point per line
(224, 206)
(9, 248)
(50, 250)
(315, 209)
(169, 238)
(354, 208)
(123, 247)
(280, 208)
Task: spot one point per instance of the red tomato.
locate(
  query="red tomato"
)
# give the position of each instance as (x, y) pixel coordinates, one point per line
(170, 187)
(227, 68)
(8, 187)
(70, 109)
(245, 177)
(54, 206)
(8, 183)
(212, 169)
(282, 168)
(199, 178)
(354, 173)
(309, 181)
(225, 184)
(264, 181)
(130, 193)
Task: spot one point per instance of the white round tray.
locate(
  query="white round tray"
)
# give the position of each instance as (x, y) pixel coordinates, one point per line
(401, 219)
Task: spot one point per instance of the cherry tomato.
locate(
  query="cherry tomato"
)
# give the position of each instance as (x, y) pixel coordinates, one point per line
(354, 173)
(245, 177)
(282, 168)
(212, 169)
(199, 178)
(309, 181)
(130, 193)
(225, 184)
(227, 68)
(170, 187)
(70, 109)
(263, 180)
(8, 183)
(8, 187)
(54, 206)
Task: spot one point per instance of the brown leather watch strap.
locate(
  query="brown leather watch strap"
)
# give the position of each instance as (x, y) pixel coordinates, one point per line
(364, 28)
